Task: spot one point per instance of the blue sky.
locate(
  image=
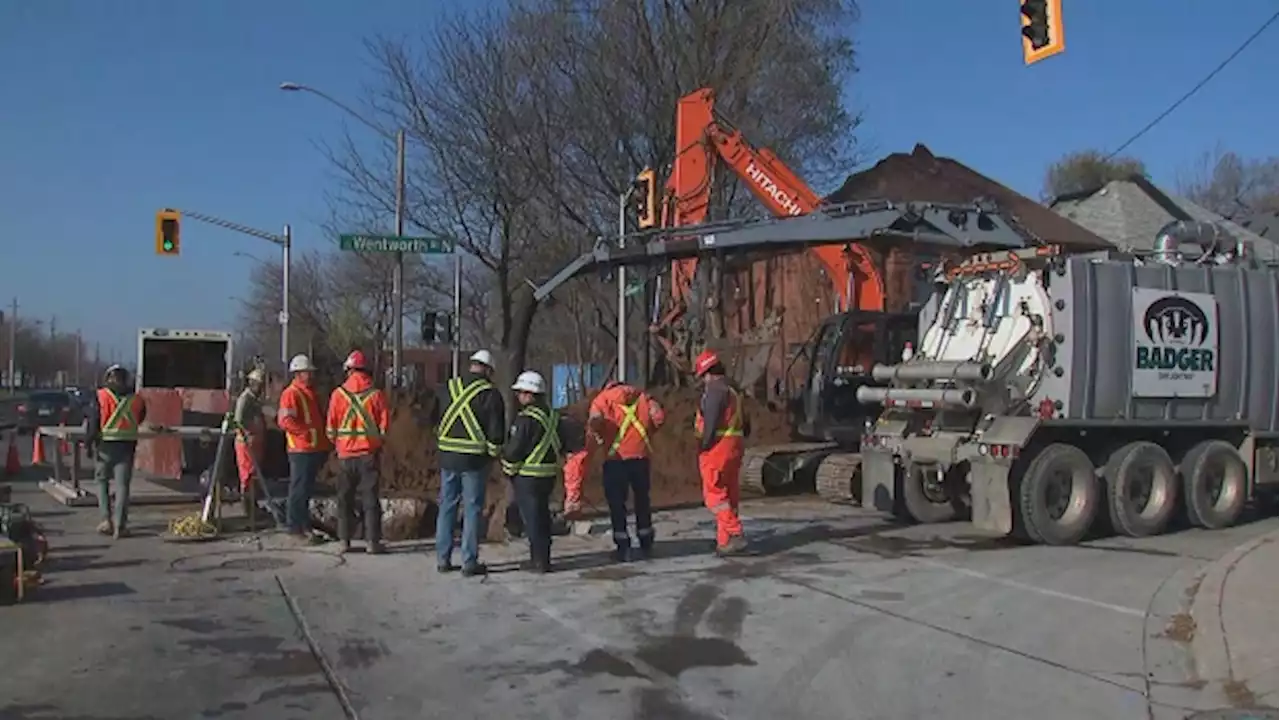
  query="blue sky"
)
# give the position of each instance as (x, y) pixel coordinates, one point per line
(111, 110)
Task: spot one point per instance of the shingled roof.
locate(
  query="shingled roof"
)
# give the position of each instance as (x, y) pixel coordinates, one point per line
(922, 176)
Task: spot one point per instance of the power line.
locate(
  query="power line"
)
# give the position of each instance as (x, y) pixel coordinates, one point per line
(1196, 88)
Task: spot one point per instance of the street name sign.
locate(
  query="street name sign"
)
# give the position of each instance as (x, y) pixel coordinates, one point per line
(396, 243)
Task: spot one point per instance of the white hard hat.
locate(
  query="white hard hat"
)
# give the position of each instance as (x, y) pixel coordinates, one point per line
(301, 363)
(530, 381)
(483, 358)
(257, 374)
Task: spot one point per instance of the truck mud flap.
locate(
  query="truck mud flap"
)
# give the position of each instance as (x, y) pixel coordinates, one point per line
(879, 482)
(989, 493)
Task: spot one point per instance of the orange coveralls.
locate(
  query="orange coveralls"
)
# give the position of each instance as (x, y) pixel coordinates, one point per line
(575, 470)
(249, 450)
(720, 458)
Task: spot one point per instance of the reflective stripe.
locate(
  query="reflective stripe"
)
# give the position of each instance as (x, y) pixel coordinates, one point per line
(630, 419)
(313, 435)
(620, 535)
(356, 407)
(734, 428)
(460, 398)
(644, 532)
(121, 423)
(722, 507)
(544, 458)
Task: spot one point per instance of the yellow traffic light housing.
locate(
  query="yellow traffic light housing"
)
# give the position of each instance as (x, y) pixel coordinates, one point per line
(647, 190)
(168, 232)
(1041, 29)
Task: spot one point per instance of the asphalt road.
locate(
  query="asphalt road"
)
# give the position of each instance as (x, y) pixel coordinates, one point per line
(840, 616)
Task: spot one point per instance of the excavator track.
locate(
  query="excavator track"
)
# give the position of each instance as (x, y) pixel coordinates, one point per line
(768, 469)
(838, 477)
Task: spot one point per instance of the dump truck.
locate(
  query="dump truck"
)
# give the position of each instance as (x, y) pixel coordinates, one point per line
(1051, 393)
(185, 378)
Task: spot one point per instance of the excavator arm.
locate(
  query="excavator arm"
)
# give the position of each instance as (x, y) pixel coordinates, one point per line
(701, 136)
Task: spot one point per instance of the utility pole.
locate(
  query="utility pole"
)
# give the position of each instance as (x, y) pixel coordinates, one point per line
(286, 244)
(621, 375)
(13, 346)
(397, 275)
(78, 354)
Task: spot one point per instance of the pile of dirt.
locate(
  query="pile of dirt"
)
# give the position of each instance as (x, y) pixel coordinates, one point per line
(410, 470)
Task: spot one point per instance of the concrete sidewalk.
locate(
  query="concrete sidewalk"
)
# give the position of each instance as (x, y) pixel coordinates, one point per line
(1235, 613)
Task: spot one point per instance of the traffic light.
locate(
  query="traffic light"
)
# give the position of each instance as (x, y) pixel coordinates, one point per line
(437, 327)
(1041, 29)
(168, 235)
(647, 199)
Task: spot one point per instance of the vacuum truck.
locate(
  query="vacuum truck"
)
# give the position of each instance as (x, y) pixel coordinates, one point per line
(1052, 392)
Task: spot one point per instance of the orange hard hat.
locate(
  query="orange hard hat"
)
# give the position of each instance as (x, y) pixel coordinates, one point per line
(706, 360)
(354, 361)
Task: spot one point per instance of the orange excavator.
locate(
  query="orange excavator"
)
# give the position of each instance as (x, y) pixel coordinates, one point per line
(702, 136)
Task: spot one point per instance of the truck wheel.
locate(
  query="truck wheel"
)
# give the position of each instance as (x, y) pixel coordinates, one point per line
(1215, 484)
(1058, 495)
(1142, 489)
(927, 499)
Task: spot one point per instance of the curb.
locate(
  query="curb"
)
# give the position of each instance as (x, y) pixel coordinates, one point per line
(1208, 645)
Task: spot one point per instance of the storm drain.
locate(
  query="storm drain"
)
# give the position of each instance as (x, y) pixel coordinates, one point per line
(256, 564)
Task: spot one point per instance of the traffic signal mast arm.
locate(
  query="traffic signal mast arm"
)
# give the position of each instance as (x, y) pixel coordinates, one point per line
(700, 132)
(956, 227)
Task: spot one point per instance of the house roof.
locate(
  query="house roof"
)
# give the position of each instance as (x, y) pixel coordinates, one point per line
(1131, 213)
(1266, 225)
(922, 176)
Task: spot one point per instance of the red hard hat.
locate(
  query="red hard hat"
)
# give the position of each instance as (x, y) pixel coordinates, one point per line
(355, 361)
(706, 360)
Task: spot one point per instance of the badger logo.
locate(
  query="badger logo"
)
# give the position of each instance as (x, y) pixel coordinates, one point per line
(1176, 321)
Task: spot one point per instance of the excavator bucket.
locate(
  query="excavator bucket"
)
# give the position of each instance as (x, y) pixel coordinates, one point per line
(746, 358)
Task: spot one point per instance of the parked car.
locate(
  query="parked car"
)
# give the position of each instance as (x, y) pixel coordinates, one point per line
(48, 407)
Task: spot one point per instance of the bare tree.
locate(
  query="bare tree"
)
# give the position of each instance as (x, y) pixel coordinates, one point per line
(1230, 185)
(43, 359)
(1086, 171)
(527, 122)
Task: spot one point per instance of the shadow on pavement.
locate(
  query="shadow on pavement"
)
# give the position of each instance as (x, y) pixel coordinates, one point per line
(54, 591)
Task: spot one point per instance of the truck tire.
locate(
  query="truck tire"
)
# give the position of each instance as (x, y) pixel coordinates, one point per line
(1058, 495)
(1215, 484)
(1142, 489)
(926, 505)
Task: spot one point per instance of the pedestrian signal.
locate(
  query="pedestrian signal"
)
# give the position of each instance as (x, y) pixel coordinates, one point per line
(168, 235)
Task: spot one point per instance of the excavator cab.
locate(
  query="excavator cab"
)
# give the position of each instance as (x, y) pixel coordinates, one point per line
(842, 353)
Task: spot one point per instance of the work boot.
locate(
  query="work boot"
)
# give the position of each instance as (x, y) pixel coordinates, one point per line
(376, 548)
(621, 554)
(536, 567)
(106, 528)
(474, 570)
(737, 545)
(645, 551)
(446, 567)
(121, 532)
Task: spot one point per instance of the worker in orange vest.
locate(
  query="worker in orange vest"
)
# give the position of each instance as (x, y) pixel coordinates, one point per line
(625, 417)
(251, 431)
(301, 416)
(111, 431)
(721, 425)
(357, 424)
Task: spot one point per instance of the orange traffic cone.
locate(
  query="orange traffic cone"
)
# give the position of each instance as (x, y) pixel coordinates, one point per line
(11, 464)
(37, 452)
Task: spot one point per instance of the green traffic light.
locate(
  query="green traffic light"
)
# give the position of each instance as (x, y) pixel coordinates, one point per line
(168, 245)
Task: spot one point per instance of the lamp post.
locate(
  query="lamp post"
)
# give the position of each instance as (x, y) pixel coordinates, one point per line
(397, 277)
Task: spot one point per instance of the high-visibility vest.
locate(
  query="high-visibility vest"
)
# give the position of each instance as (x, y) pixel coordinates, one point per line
(460, 411)
(310, 440)
(544, 459)
(117, 415)
(630, 419)
(358, 421)
(732, 428)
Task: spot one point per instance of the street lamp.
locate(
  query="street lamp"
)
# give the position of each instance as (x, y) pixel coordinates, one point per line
(397, 277)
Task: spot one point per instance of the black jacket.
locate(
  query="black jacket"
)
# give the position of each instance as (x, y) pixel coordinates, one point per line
(526, 433)
(490, 412)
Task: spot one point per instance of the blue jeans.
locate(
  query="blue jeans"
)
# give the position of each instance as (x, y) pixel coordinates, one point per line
(466, 486)
(304, 468)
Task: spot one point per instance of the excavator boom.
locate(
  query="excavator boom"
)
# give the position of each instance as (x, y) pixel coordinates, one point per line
(701, 136)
